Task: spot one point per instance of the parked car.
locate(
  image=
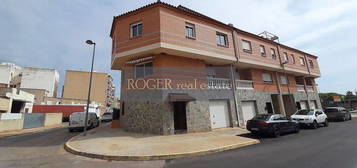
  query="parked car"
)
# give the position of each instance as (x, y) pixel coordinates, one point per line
(338, 113)
(107, 117)
(311, 118)
(272, 124)
(77, 121)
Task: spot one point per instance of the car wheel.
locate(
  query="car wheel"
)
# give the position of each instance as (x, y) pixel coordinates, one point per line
(70, 130)
(91, 126)
(350, 117)
(343, 118)
(276, 131)
(314, 125)
(326, 123)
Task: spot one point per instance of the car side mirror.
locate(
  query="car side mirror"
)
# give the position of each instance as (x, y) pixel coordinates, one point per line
(316, 115)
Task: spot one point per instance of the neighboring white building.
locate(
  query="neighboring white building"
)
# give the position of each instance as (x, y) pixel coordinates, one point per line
(7, 72)
(15, 101)
(29, 78)
(40, 78)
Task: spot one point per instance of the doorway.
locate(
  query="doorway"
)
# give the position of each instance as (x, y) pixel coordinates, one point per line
(180, 120)
(275, 102)
(17, 106)
(269, 108)
(289, 104)
(298, 105)
(248, 110)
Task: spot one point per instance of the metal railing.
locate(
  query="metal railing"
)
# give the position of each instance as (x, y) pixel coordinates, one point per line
(310, 88)
(219, 83)
(244, 84)
(300, 88)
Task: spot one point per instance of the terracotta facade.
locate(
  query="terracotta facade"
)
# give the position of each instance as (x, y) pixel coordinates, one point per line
(212, 71)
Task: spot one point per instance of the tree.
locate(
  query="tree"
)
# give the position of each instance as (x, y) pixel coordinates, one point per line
(328, 96)
(350, 96)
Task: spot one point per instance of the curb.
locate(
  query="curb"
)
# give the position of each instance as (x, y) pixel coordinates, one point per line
(75, 151)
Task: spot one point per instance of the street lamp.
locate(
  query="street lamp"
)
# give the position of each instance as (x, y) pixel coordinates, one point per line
(89, 42)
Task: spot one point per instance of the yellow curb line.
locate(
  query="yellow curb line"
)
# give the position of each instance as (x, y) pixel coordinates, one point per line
(75, 151)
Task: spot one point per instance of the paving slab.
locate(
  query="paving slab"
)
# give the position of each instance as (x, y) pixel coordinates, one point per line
(117, 144)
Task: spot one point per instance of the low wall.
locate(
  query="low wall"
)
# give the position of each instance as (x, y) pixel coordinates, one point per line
(4, 104)
(10, 116)
(53, 119)
(10, 122)
(33, 120)
(10, 125)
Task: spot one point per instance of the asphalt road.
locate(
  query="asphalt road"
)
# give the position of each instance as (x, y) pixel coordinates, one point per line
(45, 150)
(331, 147)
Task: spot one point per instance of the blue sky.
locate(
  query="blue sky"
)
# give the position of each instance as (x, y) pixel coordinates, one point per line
(51, 33)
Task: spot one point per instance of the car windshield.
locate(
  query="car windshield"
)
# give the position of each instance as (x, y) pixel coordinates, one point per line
(331, 110)
(305, 112)
(264, 117)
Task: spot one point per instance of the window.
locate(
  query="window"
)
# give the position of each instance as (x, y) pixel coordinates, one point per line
(222, 39)
(246, 46)
(273, 55)
(267, 77)
(284, 80)
(311, 64)
(293, 58)
(302, 61)
(190, 30)
(318, 112)
(142, 70)
(286, 58)
(136, 30)
(262, 50)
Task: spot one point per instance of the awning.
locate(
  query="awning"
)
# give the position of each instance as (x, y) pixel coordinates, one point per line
(180, 97)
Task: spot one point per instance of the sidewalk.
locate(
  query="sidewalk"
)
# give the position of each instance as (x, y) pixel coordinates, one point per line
(116, 144)
(31, 130)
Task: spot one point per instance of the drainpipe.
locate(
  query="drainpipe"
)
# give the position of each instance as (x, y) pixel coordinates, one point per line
(280, 97)
(288, 85)
(305, 87)
(233, 77)
(234, 88)
(307, 95)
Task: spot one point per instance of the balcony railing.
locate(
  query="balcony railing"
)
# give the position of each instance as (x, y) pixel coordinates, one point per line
(300, 88)
(310, 88)
(244, 84)
(219, 83)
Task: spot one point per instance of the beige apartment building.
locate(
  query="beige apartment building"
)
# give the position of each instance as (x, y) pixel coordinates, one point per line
(76, 87)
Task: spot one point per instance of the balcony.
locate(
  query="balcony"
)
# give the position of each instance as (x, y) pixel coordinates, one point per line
(219, 83)
(310, 88)
(300, 88)
(222, 83)
(244, 84)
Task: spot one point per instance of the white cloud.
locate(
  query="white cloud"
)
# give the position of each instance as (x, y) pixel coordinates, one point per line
(319, 32)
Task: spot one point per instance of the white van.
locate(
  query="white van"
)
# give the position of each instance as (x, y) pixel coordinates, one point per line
(76, 121)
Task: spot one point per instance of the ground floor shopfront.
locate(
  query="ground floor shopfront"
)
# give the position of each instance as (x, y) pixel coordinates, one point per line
(179, 111)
